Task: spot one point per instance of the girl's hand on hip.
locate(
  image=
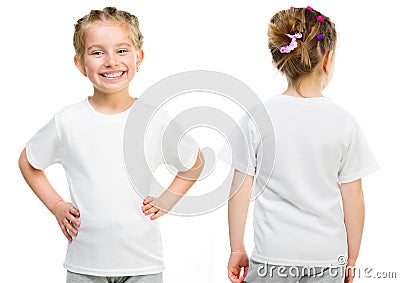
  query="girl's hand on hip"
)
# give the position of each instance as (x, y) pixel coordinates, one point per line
(154, 206)
(66, 216)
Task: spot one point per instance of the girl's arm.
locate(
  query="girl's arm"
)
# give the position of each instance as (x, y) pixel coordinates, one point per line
(354, 214)
(237, 214)
(64, 212)
(158, 206)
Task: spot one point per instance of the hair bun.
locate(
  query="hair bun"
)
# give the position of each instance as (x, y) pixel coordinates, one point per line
(309, 51)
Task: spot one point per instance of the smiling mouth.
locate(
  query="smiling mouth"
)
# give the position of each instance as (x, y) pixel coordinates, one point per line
(112, 75)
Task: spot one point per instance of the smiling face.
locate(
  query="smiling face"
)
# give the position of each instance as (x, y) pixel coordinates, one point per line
(110, 59)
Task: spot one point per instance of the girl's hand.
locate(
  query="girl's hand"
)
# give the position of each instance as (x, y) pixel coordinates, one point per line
(66, 216)
(238, 262)
(153, 205)
(350, 270)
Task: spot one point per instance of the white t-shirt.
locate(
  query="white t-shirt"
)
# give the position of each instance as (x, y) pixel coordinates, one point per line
(298, 218)
(115, 238)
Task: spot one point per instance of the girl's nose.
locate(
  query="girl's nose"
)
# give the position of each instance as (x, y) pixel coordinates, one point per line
(111, 60)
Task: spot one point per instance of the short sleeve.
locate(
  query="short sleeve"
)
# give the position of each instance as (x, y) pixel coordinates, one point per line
(358, 161)
(42, 149)
(179, 148)
(244, 142)
(168, 143)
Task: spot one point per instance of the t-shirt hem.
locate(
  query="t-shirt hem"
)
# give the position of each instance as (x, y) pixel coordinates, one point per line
(114, 273)
(244, 168)
(291, 262)
(358, 175)
(31, 159)
(192, 160)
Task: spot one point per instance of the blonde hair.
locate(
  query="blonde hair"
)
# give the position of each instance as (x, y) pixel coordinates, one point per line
(108, 14)
(310, 51)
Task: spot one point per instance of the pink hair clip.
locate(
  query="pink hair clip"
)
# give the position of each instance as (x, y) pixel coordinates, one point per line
(320, 36)
(309, 8)
(292, 8)
(320, 19)
(292, 45)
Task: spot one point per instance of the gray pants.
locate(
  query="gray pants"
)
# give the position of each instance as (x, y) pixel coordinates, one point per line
(83, 278)
(268, 273)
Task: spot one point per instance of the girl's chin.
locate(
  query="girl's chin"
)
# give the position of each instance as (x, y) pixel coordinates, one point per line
(110, 91)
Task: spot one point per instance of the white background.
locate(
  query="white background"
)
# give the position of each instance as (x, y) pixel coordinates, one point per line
(38, 78)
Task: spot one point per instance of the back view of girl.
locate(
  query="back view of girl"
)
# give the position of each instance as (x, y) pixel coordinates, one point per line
(301, 231)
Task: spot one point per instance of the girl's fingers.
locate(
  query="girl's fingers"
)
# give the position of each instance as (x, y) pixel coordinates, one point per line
(67, 220)
(150, 207)
(157, 214)
(233, 277)
(73, 220)
(246, 268)
(151, 210)
(147, 207)
(65, 232)
(69, 227)
(148, 200)
(74, 211)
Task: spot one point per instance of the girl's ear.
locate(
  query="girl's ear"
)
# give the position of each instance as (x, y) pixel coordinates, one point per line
(79, 65)
(139, 59)
(328, 62)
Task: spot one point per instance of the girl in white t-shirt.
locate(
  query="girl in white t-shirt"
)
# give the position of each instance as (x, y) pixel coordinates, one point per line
(111, 238)
(308, 219)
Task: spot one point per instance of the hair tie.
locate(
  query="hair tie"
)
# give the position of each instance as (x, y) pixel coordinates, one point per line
(320, 36)
(292, 45)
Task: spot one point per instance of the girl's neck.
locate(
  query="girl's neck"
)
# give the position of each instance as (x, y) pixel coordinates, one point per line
(309, 88)
(303, 93)
(111, 103)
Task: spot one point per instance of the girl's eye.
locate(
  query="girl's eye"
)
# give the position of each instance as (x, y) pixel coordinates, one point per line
(122, 51)
(97, 53)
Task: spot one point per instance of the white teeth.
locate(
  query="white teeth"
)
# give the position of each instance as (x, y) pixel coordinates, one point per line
(113, 75)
